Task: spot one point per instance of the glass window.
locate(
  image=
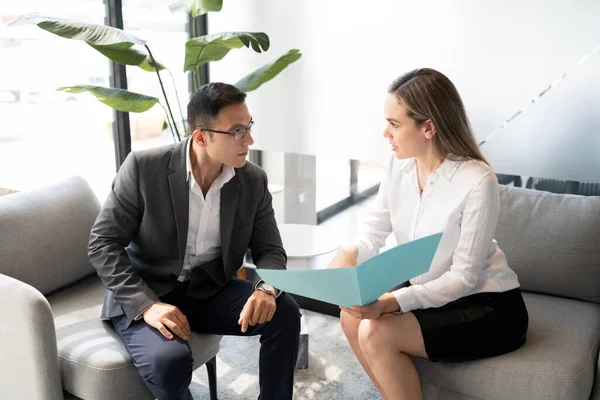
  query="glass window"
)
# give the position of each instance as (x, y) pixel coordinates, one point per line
(48, 135)
(165, 34)
(550, 184)
(369, 176)
(333, 181)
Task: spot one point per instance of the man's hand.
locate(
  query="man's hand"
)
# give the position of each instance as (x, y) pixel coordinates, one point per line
(162, 316)
(384, 305)
(345, 257)
(259, 309)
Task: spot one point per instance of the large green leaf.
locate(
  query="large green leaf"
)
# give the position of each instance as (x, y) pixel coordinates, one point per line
(204, 49)
(119, 99)
(125, 53)
(116, 44)
(90, 33)
(267, 72)
(196, 7)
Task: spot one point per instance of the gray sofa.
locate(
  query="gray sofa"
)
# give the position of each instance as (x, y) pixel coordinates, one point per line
(552, 241)
(52, 341)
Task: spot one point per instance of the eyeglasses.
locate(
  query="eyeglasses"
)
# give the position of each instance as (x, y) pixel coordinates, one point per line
(237, 133)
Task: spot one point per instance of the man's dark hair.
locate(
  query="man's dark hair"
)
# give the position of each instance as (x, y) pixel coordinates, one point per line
(209, 100)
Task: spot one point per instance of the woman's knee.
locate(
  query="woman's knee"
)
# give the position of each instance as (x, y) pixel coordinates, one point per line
(373, 335)
(349, 325)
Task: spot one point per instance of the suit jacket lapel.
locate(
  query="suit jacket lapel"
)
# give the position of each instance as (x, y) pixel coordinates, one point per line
(179, 187)
(229, 202)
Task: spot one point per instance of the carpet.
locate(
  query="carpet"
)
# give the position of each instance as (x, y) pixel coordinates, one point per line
(333, 371)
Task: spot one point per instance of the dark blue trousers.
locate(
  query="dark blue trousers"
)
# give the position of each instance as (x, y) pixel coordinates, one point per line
(166, 365)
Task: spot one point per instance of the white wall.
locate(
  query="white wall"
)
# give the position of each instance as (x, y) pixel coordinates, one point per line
(499, 54)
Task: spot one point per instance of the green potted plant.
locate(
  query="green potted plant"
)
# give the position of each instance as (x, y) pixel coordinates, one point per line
(124, 48)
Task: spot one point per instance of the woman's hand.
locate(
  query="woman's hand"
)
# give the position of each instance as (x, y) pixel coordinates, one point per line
(345, 257)
(384, 305)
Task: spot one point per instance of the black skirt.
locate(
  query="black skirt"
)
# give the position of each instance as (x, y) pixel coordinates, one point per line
(474, 327)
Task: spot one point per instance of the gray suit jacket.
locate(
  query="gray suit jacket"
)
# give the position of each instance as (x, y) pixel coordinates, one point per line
(138, 241)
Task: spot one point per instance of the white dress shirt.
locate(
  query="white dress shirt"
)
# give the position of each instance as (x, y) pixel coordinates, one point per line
(461, 200)
(204, 228)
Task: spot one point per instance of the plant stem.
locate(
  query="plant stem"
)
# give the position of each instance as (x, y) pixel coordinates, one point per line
(198, 79)
(163, 90)
(195, 74)
(178, 102)
(193, 10)
(201, 75)
(169, 123)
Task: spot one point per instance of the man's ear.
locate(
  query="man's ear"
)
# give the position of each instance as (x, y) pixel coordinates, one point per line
(199, 136)
(429, 131)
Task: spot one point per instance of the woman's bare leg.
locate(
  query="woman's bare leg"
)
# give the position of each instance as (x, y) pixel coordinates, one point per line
(386, 344)
(350, 326)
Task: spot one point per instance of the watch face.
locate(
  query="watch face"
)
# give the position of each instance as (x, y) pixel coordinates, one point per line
(265, 287)
(268, 287)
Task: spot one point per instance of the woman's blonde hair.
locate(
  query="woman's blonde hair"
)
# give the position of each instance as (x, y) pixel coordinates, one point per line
(429, 94)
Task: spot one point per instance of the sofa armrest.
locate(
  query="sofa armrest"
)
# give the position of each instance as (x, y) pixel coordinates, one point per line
(29, 368)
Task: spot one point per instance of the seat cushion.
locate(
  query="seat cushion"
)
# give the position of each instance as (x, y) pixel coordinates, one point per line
(93, 361)
(431, 392)
(557, 362)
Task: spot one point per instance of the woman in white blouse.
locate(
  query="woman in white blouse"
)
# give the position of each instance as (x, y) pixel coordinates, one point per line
(468, 306)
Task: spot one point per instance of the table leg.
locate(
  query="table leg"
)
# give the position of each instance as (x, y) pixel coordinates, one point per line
(302, 362)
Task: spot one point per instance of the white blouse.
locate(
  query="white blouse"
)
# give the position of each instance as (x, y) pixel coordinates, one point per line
(461, 200)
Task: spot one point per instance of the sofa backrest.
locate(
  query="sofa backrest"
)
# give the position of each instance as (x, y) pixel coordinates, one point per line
(552, 241)
(44, 234)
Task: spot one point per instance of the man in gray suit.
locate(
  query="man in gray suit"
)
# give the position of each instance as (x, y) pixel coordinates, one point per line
(172, 235)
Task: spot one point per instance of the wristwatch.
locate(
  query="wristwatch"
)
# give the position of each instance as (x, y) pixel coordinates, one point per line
(265, 287)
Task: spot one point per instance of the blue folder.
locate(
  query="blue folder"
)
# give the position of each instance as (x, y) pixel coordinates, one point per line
(361, 285)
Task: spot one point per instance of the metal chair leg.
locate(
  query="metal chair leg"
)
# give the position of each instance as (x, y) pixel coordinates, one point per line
(211, 367)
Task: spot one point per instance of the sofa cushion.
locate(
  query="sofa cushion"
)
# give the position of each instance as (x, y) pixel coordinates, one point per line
(557, 362)
(552, 241)
(44, 234)
(94, 363)
(435, 393)
(596, 391)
